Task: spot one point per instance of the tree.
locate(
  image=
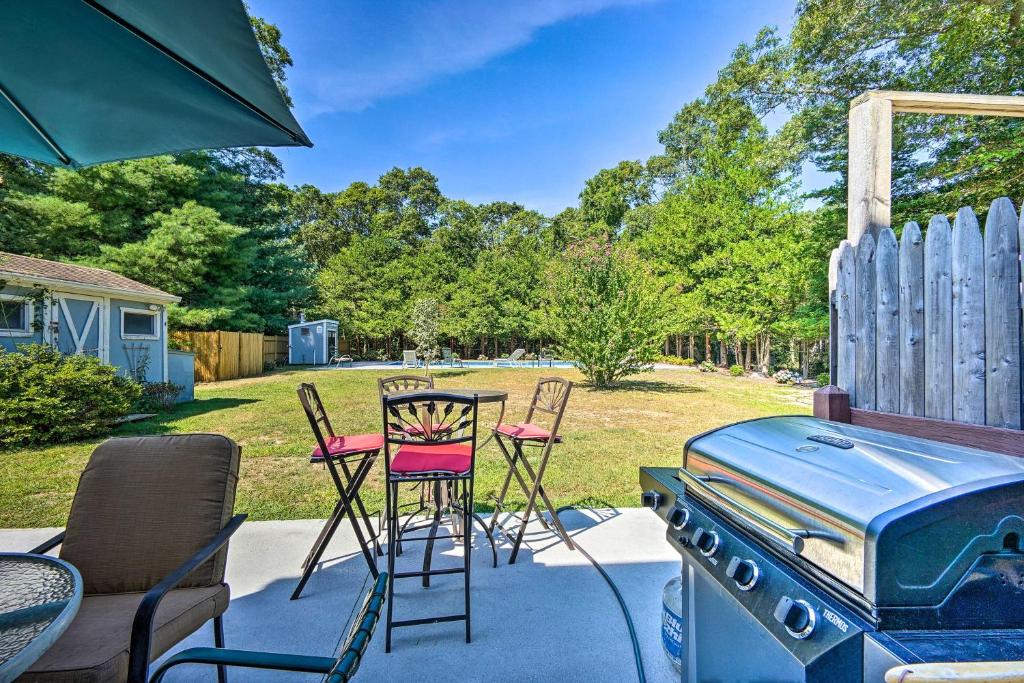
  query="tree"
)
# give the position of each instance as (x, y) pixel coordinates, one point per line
(425, 329)
(613, 192)
(606, 311)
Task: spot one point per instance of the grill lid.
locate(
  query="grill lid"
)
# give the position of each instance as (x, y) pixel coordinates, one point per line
(896, 518)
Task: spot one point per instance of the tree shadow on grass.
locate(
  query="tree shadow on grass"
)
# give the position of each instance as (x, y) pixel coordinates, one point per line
(161, 423)
(649, 386)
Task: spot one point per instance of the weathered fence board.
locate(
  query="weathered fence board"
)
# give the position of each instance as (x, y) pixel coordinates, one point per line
(912, 321)
(938, 320)
(932, 327)
(1002, 316)
(846, 318)
(887, 335)
(866, 323)
(968, 273)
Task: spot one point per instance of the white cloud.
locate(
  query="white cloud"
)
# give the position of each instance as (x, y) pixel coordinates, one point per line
(425, 41)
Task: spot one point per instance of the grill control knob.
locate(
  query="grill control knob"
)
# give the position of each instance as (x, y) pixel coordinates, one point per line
(706, 542)
(679, 517)
(744, 572)
(797, 616)
(651, 499)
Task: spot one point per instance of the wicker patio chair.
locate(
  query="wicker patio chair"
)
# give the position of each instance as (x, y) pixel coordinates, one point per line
(148, 530)
(336, 670)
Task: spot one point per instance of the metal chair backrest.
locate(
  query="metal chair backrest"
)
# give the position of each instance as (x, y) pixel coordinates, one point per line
(315, 413)
(387, 385)
(551, 397)
(429, 419)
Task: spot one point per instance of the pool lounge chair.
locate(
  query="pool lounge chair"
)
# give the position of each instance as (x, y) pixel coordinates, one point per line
(409, 360)
(513, 360)
(450, 358)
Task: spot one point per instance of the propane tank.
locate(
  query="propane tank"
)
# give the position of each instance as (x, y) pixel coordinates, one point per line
(672, 621)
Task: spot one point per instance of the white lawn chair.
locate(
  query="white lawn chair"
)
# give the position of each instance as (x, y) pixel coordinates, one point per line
(512, 361)
(450, 358)
(409, 360)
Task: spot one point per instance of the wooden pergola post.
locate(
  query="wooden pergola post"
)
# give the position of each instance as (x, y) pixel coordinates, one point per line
(869, 182)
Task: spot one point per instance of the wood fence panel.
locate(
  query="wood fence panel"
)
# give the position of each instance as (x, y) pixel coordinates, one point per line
(968, 273)
(275, 349)
(846, 319)
(866, 323)
(250, 354)
(1002, 316)
(227, 363)
(931, 328)
(887, 335)
(938, 320)
(912, 321)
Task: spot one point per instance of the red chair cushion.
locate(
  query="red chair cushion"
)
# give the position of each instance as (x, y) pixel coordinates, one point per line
(420, 458)
(525, 431)
(351, 444)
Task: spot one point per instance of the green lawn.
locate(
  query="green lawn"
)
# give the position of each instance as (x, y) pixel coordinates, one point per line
(609, 434)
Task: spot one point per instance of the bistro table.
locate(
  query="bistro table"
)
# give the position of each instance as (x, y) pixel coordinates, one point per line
(39, 597)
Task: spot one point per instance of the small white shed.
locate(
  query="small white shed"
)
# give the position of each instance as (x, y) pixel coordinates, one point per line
(312, 342)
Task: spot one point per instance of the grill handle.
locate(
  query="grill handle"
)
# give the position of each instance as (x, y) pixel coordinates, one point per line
(791, 539)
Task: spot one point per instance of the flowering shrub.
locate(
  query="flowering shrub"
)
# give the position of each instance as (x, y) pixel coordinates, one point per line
(786, 376)
(47, 397)
(606, 311)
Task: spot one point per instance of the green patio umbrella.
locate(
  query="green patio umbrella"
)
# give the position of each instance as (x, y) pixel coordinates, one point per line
(88, 81)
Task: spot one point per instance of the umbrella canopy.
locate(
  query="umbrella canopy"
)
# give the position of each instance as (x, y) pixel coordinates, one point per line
(88, 81)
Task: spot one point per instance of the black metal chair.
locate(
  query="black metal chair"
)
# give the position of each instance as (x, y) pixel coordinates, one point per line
(550, 397)
(338, 669)
(430, 437)
(348, 459)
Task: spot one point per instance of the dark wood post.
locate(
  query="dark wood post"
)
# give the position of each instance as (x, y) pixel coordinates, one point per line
(832, 403)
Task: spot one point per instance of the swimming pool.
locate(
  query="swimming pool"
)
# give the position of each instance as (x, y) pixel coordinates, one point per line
(525, 364)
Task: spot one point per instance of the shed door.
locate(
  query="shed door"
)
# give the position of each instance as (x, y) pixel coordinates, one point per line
(304, 350)
(81, 325)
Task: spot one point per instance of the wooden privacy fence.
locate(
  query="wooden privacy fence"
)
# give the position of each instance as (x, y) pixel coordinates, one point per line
(227, 355)
(932, 326)
(275, 349)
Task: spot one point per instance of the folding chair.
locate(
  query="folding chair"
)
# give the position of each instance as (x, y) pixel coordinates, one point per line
(348, 459)
(550, 397)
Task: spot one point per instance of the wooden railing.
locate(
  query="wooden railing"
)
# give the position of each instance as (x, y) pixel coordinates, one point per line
(931, 326)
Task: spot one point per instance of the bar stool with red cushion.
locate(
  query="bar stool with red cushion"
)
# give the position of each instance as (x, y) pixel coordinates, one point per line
(348, 459)
(550, 398)
(430, 438)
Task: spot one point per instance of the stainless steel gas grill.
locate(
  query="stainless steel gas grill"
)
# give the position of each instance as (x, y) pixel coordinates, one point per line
(819, 551)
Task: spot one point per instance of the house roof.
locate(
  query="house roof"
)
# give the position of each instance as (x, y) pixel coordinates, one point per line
(54, 274)
(314, 322)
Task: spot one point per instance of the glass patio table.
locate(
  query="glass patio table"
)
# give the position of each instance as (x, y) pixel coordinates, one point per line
(39, 598)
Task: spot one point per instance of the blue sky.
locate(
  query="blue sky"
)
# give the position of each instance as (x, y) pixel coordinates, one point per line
(520, 101)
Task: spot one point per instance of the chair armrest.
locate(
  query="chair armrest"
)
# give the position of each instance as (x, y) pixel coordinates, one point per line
(962, 672)
(362, 630)
(142, 626)
(48, 545)
(247, 659)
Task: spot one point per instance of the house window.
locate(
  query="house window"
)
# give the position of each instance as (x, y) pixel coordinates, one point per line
(139, 323)
(15, 317)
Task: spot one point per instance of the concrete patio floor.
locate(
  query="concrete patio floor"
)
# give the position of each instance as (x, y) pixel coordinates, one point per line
(549, 617)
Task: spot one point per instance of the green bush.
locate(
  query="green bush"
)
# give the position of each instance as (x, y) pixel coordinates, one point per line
(157, 396)
(822, 379)
(675, 360)
(736, 370)
(687, 362)
(708, 366)
(47, 397)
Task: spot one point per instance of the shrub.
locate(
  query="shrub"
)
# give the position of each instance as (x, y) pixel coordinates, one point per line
(822, 379)
(786, 376)
(676, 360)
(606, 310)
(47, 397)
(687, 362)
(708, 366)
(736, 370)
(157, 396)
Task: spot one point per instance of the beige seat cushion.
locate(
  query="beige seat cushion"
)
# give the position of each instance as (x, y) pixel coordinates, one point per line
(145, 505)
(94, 649)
